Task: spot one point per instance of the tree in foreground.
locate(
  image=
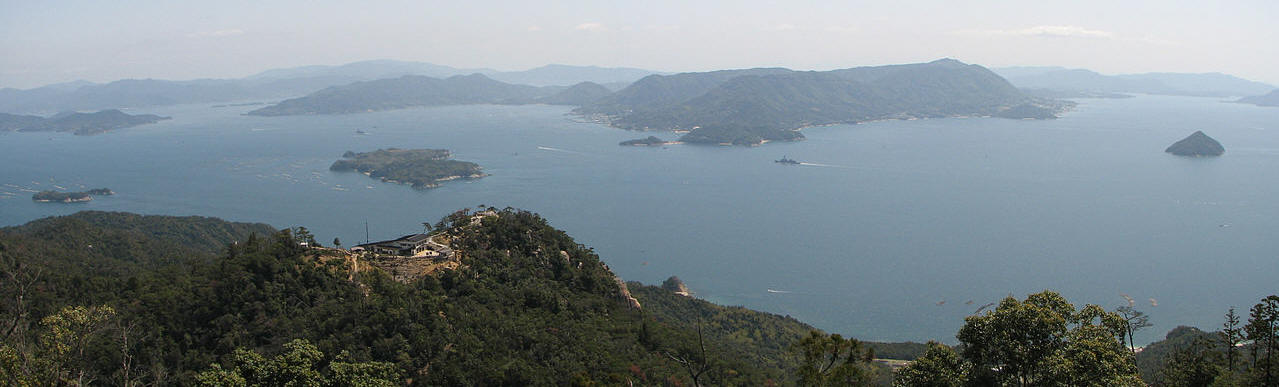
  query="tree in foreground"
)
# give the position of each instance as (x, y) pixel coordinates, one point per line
(833, 361)
(297, 366)
(940, 366)
(1042, 341)
(1263, 331)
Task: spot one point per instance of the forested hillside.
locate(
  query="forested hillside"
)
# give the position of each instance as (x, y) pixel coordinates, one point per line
(179, 300)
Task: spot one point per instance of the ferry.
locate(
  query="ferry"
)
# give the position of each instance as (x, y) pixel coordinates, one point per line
(786, 161)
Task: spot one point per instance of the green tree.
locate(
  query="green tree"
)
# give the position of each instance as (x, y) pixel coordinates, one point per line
(1263, 330)
(1194, 365)
(1137, 320)
(304, 237)
(1232, 335)
(940, 366)
(693, 360)
(297, 366)
(1043, 341)
(68, 337)
(833, 361)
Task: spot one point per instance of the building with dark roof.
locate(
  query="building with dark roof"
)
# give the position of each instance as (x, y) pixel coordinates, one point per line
(408, 245)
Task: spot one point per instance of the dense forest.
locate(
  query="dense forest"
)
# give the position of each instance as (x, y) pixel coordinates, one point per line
(421, 168)
(122, 299)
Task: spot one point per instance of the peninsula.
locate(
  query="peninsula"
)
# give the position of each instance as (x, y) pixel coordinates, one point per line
(1271, 99)
(421, 168)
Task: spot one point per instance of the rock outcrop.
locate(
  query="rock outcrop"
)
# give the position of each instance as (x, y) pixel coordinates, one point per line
(1197, 145)
(675, 285)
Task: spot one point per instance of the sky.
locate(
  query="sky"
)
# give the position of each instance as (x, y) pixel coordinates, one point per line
(44, 42)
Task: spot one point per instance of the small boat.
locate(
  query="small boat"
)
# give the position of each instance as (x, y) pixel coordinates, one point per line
(361, 132)
(786, 161)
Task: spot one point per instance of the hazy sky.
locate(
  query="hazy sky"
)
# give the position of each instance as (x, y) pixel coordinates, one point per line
(51, 41)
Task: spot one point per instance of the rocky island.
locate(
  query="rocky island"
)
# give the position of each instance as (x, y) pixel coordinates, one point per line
(1197, 145)
(69, 197)
(421, 168)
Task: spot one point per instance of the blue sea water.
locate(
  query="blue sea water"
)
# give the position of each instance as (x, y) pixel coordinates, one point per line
(892, 230)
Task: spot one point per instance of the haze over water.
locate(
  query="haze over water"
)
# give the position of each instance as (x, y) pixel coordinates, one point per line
(885, 222)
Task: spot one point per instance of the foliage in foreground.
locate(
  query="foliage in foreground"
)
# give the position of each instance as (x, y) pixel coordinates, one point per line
(1040, 341)
(1242, 353)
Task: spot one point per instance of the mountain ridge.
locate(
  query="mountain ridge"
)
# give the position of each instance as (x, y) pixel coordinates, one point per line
(1162, 83)
(275, 84)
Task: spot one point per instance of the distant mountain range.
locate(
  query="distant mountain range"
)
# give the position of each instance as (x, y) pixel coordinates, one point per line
(77, 123)
(1271, 99)
(751, 106)
(577, 95)
(403, 92)
(1059, 79)
(279, 84)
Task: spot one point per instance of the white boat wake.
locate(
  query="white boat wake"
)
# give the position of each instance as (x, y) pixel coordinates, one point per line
(547, 148)
(828, 165)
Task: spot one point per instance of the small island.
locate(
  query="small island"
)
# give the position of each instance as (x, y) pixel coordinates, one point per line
(1197, 144)
(650, 141)
(421, 168)
(69, 197)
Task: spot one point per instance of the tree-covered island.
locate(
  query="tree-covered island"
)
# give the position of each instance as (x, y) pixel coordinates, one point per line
(421, 168)
(70, 197)
(650, 141)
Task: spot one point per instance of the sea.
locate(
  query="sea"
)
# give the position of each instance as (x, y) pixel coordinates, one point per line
(887, 231)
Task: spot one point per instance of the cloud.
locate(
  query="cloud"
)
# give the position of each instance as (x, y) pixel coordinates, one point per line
(216, 34)
(590, 27)
(534, 28)
(1044, 31)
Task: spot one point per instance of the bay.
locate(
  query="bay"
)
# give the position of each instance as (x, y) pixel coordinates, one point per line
(891, 230)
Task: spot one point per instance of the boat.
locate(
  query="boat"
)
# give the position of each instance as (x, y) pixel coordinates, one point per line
(786, 161)
(361, 132)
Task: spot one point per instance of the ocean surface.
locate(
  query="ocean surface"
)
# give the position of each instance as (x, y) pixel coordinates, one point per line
(892, 230)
